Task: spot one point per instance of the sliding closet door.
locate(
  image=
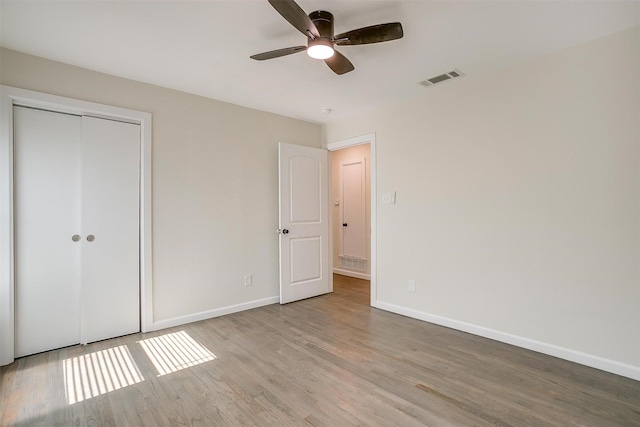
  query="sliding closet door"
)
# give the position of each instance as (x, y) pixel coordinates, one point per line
(110, 223)
(47, 186)
(76, 196)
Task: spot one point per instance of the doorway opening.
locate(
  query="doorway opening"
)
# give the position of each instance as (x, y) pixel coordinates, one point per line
(353, 216)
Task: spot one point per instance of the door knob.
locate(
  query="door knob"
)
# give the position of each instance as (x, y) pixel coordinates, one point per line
(91, 238)
(285, 231)
(75, 238)
(344, 224)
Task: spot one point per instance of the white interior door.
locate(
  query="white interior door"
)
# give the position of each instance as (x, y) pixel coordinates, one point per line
(47, 172)
(110, 304)
(76, 206)
(304, 222)
(353, 209)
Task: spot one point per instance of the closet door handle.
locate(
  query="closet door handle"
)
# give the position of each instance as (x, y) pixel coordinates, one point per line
(344, 224)
(76, 237)
(91, 238)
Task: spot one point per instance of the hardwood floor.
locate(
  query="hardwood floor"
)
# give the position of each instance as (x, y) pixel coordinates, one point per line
(325, 361)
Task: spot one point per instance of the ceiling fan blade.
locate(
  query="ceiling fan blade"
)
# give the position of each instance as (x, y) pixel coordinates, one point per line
(373, 34)
(339, 63)
(278, 53)
(290, 11)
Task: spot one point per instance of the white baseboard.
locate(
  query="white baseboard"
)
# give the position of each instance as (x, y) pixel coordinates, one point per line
(592, 361)
(203, 315)
(352, 274)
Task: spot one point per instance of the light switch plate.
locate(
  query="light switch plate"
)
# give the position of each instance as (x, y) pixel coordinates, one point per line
(389, 198)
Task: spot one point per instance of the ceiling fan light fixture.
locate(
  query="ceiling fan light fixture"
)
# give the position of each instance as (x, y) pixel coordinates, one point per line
(317, 27)
(320, 48)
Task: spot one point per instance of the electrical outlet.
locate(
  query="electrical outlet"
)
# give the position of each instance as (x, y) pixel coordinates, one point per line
(248, 280)
(412, 285)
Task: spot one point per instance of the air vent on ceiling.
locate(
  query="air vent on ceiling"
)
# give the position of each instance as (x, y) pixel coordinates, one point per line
(441, 78)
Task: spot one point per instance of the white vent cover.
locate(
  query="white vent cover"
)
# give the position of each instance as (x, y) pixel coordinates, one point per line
(441, 78)
(353, 263)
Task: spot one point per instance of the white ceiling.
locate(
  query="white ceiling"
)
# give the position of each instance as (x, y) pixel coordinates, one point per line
(203, 47)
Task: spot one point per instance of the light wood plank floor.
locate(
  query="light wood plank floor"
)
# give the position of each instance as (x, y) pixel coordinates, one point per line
(330, 360)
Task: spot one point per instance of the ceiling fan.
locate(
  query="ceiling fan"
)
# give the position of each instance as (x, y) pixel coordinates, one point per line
(318, 28)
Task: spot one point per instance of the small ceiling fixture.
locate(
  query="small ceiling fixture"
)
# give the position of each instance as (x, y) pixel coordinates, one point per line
(326, 111)
(320, 48)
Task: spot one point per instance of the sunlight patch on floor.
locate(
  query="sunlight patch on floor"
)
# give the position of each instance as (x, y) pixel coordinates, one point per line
(173, 352)
(100, 372)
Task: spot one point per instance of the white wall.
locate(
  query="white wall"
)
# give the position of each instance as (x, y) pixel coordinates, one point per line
(214, 185)
(518, 203)
(337, 157)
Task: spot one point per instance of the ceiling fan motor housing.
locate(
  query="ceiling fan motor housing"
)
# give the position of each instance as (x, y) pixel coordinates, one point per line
(323, 21)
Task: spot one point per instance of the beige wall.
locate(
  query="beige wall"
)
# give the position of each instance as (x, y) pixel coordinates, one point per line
(518, 202)
(214, 183)
(337, 157)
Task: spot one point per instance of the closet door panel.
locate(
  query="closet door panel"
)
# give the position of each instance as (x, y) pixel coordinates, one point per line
(47, 185)
(110, 213)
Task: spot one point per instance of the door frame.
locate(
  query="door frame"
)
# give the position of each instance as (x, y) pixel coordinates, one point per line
(352, 142)
(10, 96)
